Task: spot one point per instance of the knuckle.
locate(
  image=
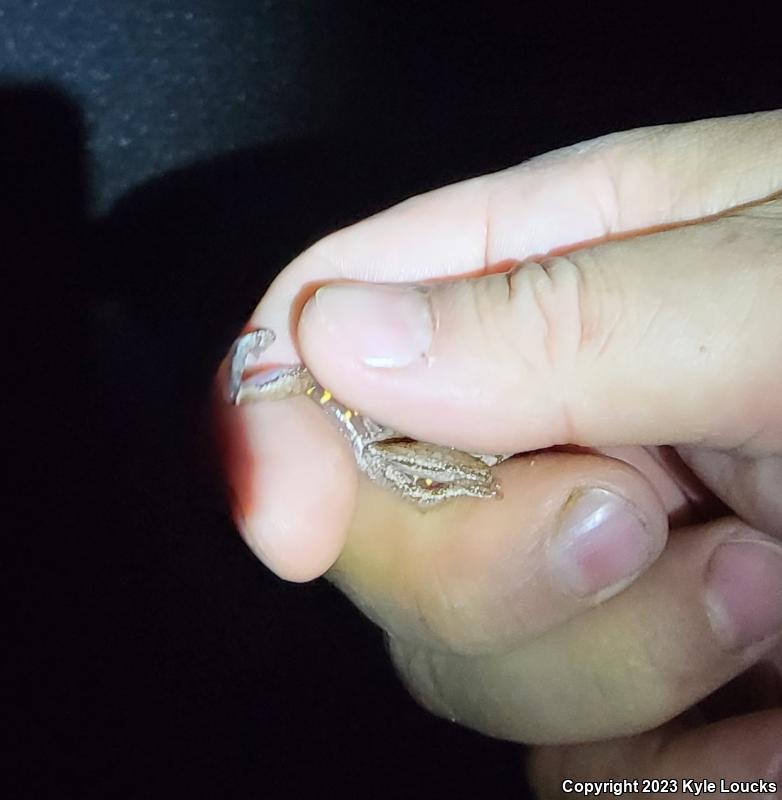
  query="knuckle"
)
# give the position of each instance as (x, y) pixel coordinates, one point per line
(417, 666)
(547, 307)
(442, 617)
(436, 613)
(558, 323)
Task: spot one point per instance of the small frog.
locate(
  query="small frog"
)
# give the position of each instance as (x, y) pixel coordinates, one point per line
(423, 473)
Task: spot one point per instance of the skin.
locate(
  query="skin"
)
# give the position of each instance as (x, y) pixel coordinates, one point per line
(636, 351)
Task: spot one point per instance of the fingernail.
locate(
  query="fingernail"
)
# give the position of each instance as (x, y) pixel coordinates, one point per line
(602, 543)
(381, 325)
(744, 591)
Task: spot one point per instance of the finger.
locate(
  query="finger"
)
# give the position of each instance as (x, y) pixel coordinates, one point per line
(615, 184)
(749, 486)
(743, 750)
(708, 608)
(662, 338)
(484, 576)
(620, 183)
(272, 455)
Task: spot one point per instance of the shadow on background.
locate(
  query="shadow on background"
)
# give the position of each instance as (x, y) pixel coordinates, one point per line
(157, 652)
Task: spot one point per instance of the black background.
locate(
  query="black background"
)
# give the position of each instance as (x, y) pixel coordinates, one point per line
(159, 163)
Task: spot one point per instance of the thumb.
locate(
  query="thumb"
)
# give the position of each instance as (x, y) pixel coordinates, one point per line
(672, 337)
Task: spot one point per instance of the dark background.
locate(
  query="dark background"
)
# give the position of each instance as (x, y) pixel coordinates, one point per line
(159, 163)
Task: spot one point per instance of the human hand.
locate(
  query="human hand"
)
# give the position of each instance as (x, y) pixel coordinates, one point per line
(494, 615)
